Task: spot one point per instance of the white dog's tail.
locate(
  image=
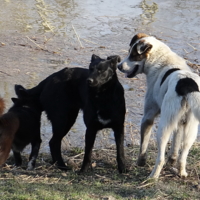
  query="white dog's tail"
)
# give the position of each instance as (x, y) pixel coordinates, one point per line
(194, 103)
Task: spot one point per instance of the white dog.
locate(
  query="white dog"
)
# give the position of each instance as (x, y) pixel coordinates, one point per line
(172, 92)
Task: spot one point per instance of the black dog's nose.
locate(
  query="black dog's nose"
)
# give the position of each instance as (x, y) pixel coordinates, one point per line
(90, 81)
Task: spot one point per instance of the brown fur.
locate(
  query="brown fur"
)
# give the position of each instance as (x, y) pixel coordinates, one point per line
(2, 106)
(137, 37)
(134, 55)
(9, 124)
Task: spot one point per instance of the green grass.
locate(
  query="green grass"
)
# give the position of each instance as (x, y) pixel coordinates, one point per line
(47, 182)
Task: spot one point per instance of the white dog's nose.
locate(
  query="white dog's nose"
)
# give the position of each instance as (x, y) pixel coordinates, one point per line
(119, 66)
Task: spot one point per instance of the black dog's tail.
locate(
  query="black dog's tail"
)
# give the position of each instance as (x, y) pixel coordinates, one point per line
(2, 106)
(22, 92)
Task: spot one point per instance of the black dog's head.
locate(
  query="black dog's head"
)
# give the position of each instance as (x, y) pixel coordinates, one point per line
(101, 71)
(28, 104)
(25, 100)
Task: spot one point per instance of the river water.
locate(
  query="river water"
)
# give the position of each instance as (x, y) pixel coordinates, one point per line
(39, 37)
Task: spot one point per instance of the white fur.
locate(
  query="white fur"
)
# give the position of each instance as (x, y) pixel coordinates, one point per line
(178, 115)
(104, 121)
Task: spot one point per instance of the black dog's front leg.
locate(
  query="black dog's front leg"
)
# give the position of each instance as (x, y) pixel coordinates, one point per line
(119, 139)
(89, 143)
(18, 158)
(34, 153)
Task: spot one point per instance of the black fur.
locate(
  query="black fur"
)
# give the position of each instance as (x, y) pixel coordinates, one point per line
(97, 92)
(167, 74)
(185, 86)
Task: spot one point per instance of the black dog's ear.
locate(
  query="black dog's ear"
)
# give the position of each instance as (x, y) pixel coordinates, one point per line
(113, 62)
(111, 57)
(14, 100)
(20, 91)
(142, 47)
(94, 57)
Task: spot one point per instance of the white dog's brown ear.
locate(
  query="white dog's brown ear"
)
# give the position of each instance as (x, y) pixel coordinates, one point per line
(137, 37)
(143, 47)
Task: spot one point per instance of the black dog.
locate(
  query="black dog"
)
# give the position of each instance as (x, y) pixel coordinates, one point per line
(19, 127)
(96, 91)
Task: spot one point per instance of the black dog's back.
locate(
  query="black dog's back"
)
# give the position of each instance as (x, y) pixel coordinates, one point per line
(51, 91)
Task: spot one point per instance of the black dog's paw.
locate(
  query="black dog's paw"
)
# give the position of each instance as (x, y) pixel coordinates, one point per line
(85, 168)
(61, 166)
(64, 168)
(123, 171)
(81, 171)
(121, 168)
(141, 161)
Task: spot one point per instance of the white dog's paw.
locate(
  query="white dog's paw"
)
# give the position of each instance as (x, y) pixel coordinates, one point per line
(153, 176)
(183, 174)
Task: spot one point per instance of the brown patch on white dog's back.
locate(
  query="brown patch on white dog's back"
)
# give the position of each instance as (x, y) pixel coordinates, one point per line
(137, 37)
(2, 106)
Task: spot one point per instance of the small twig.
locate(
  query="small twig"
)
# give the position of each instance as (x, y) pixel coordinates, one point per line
(90, 41)
(77, 36)
(145, 185)
(57, 180)
(76, 155)
(49, 38)
(69, 181)
(35, 43)
(192, 47)
(6, 178)
(124, 50)
(197, 174)
(100, 176)
(5, 73)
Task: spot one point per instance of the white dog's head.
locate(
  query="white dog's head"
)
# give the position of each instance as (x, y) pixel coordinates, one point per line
(140, 47)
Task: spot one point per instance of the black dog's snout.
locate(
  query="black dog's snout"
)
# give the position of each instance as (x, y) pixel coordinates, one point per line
(90, 81)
